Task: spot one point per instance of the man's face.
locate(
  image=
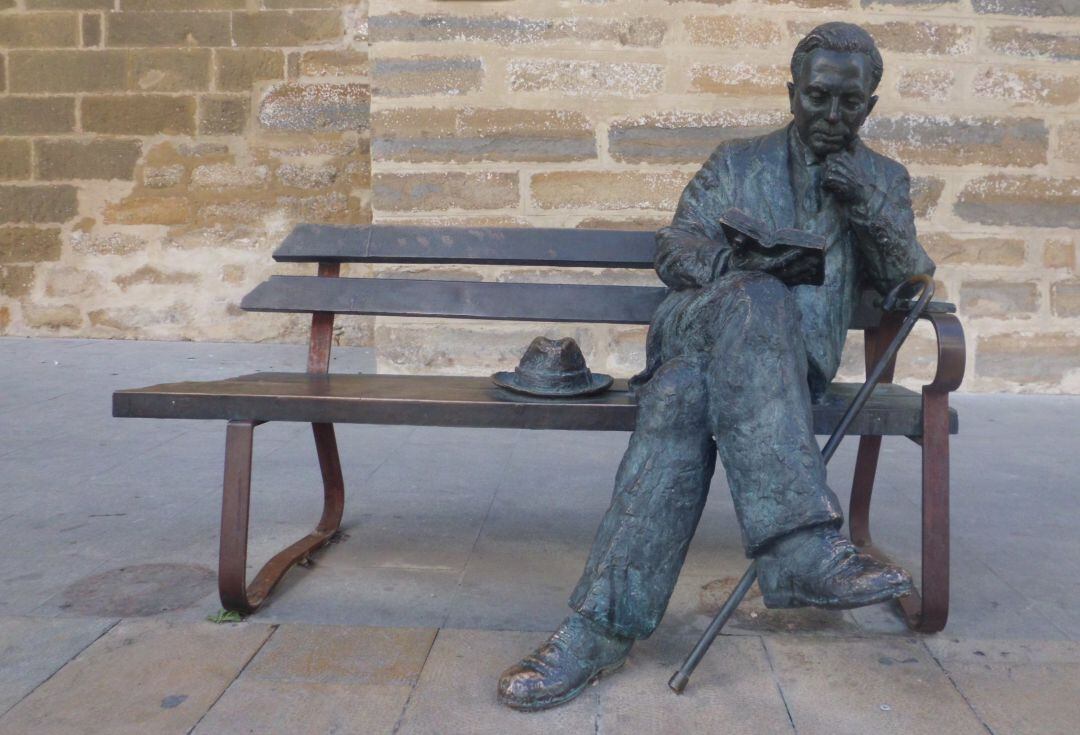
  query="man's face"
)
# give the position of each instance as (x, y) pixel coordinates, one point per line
(830, 99)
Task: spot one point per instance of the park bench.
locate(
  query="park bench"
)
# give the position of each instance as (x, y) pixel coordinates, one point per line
(323, 399)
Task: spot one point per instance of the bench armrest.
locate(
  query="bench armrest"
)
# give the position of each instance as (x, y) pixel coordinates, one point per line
(951, 352)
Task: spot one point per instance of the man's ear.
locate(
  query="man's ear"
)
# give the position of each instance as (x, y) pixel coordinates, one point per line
(870, 104)
(791, 97)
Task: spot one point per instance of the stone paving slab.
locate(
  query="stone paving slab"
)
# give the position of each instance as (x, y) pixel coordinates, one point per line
(879, 685)
(141, 677)
(32, 649)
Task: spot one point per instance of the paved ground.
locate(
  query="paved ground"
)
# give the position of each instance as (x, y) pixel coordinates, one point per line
(460, 549)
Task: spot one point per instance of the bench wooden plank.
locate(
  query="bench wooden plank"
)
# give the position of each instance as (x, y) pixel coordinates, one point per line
(545, 302)
(421, 400)
(469, 245)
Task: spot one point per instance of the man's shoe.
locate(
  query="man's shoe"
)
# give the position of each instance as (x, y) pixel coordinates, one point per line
(577, 654)
(820, 567)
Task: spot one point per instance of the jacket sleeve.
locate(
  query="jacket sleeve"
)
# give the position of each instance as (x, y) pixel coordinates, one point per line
(884, 227)
(692, 250)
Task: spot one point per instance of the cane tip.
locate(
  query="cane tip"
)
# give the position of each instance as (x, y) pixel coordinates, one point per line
(678, 682)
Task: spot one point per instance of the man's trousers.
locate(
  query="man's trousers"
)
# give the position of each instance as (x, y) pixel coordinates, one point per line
(733, 381)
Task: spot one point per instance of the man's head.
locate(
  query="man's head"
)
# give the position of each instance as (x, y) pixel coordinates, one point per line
(834, 71)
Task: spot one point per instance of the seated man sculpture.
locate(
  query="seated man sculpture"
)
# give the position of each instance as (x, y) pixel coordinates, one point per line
(735, 359)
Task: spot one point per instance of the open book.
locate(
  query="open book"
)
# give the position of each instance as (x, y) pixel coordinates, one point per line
(746, 232)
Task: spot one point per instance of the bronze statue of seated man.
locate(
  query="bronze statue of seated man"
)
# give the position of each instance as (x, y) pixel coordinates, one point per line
(736, 355)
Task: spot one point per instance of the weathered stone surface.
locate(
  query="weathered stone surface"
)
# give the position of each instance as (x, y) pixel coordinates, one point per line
(139, 115)
(740, 78)
(169, 70)
(184, 4)
(65, 281)
(36, 115)
(1059, 254)
(1024, 201)
(141, 677)
(509, 31)
(138, 210)
(1025, 358)
(299, 176)
(926, 84)
(67, 71)
(422, 75)
(482, 135)
(1065, 297)
(38, 203)
(89, 159)
(224, 114)
(41, 316)
(925, 195)
(1020, 41)
(1027, 86)
(229, 176)
(14, 159)
(1068, 144)
(732, 31)
(685, 137)
(237, 70)
(605, 190)
(335, 63)
(168, 29)
(441, 191)
(163, 177)
(15, 281)
(108, 243)
(923, 37)
(148, 275)
(152, 321)
(958, 141)
(287, 28)
(91, 30)
(28, 244)
(36, 30)
(69, 4)
(945, 249)
(1027, 7)
(998, 298)
(316, 107)
(585, 78)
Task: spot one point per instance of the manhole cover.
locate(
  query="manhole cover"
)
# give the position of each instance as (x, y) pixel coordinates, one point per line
(144, 589)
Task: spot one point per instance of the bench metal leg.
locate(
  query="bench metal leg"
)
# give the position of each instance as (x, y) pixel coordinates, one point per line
(236, 594)
(862, 488)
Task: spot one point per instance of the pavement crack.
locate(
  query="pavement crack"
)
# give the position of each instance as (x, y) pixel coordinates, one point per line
(956, 687)
(776, 680)
(408, 700)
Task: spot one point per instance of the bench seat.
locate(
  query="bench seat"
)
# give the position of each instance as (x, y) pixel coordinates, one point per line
(425, 400)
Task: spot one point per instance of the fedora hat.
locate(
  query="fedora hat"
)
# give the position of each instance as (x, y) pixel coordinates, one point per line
(553, 368)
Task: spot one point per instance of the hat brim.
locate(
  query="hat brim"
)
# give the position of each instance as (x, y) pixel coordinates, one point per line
(598, 382)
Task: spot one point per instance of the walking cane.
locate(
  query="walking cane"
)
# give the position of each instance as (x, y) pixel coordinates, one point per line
(681, 677)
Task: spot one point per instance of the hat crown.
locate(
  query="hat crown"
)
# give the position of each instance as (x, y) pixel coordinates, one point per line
(553, 364)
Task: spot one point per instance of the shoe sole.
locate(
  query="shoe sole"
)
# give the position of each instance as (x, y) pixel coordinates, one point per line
(783, 601)
(572, 694)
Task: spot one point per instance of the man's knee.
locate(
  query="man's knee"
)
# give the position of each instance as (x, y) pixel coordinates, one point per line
(675, 398)
(755, 287)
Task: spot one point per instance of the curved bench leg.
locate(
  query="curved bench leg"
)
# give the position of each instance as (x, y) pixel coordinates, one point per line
(236, 594)
(862, 488)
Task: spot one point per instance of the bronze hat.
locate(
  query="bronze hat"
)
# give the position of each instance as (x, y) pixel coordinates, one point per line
(553, 368)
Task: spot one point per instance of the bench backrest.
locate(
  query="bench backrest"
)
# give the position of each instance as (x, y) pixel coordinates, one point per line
(327, 294)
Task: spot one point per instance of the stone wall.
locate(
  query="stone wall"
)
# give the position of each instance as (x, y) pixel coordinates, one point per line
(154, 152)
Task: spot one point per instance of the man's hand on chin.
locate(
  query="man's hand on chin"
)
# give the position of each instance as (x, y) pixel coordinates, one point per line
(841, 177)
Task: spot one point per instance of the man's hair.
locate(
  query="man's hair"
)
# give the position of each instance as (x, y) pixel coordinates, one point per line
(839, 37)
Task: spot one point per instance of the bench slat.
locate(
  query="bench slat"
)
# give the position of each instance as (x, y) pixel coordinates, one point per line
(469, 245)
(421, 400)
(545, 302)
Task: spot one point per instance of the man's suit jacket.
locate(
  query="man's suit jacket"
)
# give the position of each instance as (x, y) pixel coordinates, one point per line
(755, 175)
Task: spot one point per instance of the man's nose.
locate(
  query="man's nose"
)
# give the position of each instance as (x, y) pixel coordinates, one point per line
(834, 110)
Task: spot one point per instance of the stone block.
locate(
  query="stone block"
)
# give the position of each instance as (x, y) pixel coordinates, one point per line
(998, 298)
(1020, 201)
(1028, 7)
(925, 195)
(301, 176)
(424, 75)
(87, 159)
(335, 63)
(732, 31)
(926, 84)
(67, 71)
(168, 29)
(28, 245)
(281, 28)
(37, 30)
(740, 79)
(237, 70)
(151, 5)
(229, 176)
(1059, 254)
(163, 177)
(685, 137)
(69, 4)
(91, 30)
(14, 159)
(36, 115)
(1021, 41)
(16, 280)
(169, 70)
(149, 275)
(316, 107)
(224, 114)
(1065, 297)
(515, 31)
(474, 134)
(1027, 358)
(960, 141)
(604, 190)
(1027, 86)
(945, 249)
(67, 281)
(139, 210)
(139, 115)
(106, 243)
(585, 78)
(38, 204)
(923, 37)
(1068, 143)
(444, 190)
(43, 316)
